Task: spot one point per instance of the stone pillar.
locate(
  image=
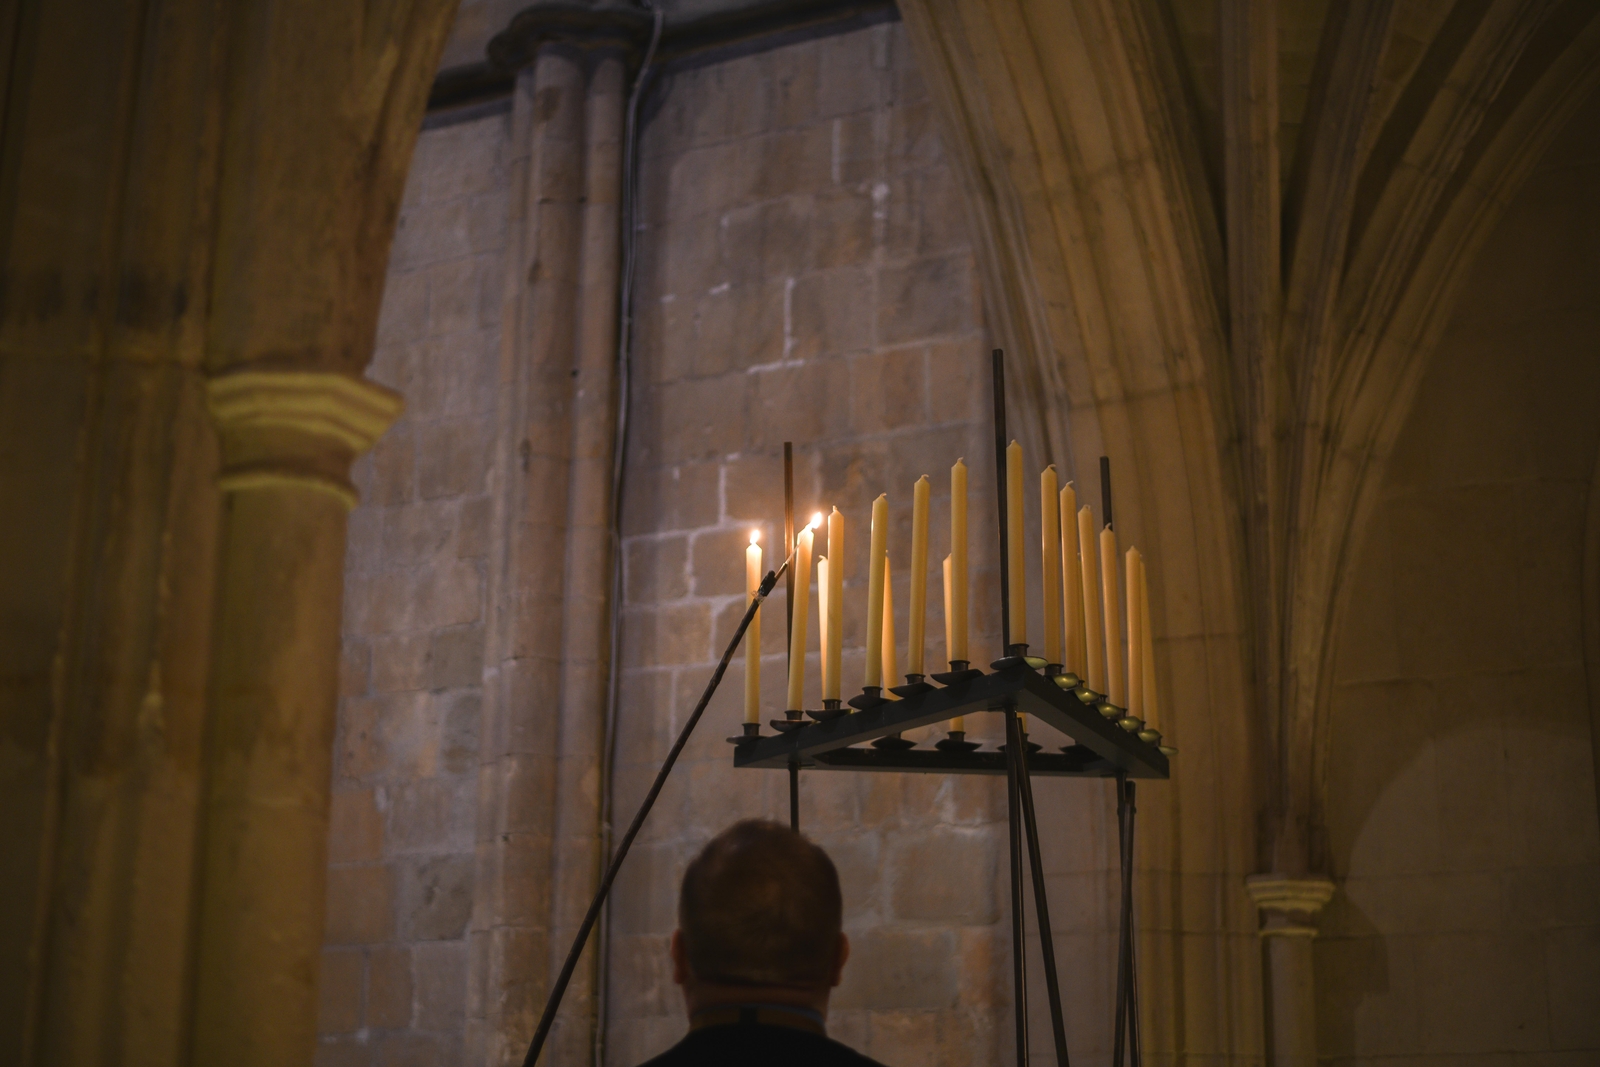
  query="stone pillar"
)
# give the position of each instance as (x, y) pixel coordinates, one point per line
(288, 438)
(1288, 908)
(547, 642)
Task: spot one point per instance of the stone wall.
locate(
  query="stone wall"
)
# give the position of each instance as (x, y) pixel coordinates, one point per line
(401, 847)
(1461, 815)
(805, 275)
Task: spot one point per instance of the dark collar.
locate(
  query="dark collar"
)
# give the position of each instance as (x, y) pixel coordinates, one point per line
(795, 1018)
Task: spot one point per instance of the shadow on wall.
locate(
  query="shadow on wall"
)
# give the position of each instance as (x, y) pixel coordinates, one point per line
(1461, 814)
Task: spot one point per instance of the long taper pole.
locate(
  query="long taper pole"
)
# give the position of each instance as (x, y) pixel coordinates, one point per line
(998, 358)
(1018, 740)
(553, 1004)
(1019, 944)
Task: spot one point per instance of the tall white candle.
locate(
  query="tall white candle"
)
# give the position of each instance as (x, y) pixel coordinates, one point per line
(877, 555)
(834, 649)
(1135, 596)
(1016, 562)
(958, 559)
(823, 610)
(752, 636)
(1094, 635)
(797, 637)
(1071, 586)
(1111, 604)
(1050, 556)
(918, 621)
(1147, 642)
(891, 657)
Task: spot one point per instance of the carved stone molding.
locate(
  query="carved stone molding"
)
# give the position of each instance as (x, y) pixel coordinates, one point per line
(297, 428)
(1288, 904)
(607, 24)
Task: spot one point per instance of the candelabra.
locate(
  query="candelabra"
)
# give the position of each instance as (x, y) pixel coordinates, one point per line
(1108, 741)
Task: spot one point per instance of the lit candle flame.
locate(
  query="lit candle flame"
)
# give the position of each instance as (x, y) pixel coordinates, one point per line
(755, 536)
(816, 521)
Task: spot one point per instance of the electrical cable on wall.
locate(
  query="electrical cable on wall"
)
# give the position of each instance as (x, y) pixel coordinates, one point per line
(629, 228)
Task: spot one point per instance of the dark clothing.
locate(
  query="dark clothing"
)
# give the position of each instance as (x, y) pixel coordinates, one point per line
(764, 1043)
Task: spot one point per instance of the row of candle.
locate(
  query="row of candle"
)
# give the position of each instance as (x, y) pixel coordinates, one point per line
(1084, 609)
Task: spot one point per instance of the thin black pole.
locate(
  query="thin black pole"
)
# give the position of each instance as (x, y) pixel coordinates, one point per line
(1105, 490)
(794, 795)
(1019, 962)
(788, 545)
(1135, 1057)
(1125, 922)
(999, 360)
(1041, 903)
(553, 1004)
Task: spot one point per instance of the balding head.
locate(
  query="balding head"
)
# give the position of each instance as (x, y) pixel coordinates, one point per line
(761, 906)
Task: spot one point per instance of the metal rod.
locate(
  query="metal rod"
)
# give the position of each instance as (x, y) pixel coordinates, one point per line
(1105, 490)
(794, 795)
(788, 546)
(1125, 922)
(553, 1004)
(1041, 904)
(1019, 944)
(1135, 1056)
(999, 360)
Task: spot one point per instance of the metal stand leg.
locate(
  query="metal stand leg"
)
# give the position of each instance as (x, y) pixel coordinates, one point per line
(1019, 944)
(1016, 749)
(794, 795)
(1127, 1023)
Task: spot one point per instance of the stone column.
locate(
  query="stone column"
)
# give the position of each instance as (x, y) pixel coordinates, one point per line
(288, 438)
(1288, 908)
(546, 657)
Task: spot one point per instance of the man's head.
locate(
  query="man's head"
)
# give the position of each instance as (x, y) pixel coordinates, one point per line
(760, 912)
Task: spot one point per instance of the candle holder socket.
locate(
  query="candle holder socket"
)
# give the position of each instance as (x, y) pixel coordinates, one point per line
(892, 743)
(1036, 662)
(1149, 736)
(791, 721)
(1087, 695)
(1167, 750)
(1067, 680)
(914, 685)
(1015, 655)
(871, 696)
(1109, 710)
(1131, 723)
(960, 671)
(1029, 747)
(956, 742)
(830, 711)
(752, 734)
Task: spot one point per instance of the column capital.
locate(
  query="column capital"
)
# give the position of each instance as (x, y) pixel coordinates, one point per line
(297, 427)
(581, 23)
(1289, 903)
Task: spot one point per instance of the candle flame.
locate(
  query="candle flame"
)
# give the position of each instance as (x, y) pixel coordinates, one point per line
(755, 536)
(816, 521)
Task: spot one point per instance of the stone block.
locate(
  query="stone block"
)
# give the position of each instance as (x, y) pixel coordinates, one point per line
(889, 390)
(738, 326)
(798, 403)
(455, 658)
(440, 984)
(679, 496)
(708, 180)
(339, 992)
(897, 968)
(1482, 991)
(831, 313)
(410, 1048)
(1572, 961)
(656, 569)
(914, 137)
(675, 634)
(389, 987)
(466, 159)
(956, 371)
(342, 1050)
(927, 298)
(452, 458)
(464, 294)
(359, 911)
(792, 98)
(393, 469)
(946, 875)
(790, 161)
(858, 148)
(399, 662)
(843, 227)
(461, 716)
(363, 749)
(403, 315)
(717, 564)
(355, 667)
(431, 814)
(448, 594)
(904, 1038)
(472, 529)
(702, 419)
(853, 72)
(355, 828)
(435, 897)
(765, 241)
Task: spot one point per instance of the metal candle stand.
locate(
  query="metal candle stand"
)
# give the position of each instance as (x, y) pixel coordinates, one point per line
(1108, 743)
